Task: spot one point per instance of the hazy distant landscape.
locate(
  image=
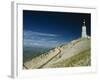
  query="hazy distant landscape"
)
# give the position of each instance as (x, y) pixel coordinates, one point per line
(31, 52)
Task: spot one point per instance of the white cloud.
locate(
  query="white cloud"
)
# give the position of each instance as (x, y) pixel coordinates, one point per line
(40, 39)
(29, 33)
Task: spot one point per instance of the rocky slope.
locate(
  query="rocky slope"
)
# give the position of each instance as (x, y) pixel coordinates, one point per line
(75, 53)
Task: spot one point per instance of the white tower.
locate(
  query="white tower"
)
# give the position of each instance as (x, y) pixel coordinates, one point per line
(84, 34)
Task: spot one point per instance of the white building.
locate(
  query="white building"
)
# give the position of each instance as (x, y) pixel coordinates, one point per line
(84, 34)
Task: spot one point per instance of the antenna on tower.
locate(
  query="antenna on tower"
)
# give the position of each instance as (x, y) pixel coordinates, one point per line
(84, 22)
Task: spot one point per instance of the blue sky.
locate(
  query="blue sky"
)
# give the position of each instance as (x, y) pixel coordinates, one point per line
(51, 29)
